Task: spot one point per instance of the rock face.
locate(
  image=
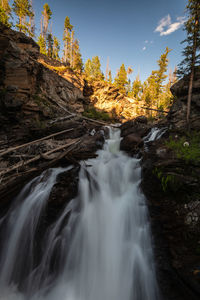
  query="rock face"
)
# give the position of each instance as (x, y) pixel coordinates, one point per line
(172, 189)
(177, 115)
(132, 133)
(106, 97)
(30, 92)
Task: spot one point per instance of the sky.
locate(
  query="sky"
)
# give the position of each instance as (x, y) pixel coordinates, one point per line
(132, 32)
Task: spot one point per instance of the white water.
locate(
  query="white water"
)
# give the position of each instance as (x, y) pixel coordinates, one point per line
(105, 250)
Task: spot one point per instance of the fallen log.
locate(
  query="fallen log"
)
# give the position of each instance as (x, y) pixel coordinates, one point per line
(37, 157)
(158, 110)
(35, 141)
(96, 121)
(62, 119)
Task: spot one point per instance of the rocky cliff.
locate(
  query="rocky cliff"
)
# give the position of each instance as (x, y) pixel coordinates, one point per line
(171, 176)
(106, 97)
(30, 92)
(177, 115)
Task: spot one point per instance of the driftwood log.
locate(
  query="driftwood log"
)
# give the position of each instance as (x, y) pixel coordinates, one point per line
(37, 157)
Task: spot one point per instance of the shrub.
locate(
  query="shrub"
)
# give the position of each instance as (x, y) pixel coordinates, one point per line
(186, 147)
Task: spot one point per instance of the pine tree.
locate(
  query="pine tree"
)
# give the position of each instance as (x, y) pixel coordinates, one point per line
(154, 85)
(96, 69)
(110, 77)
(77, 60)
(67, 39)
(50, 45)
(192, 50)
(42, 44)
(137, 88)
(46, 16)
(88, 69)
(5, 12)
(93, 69)
(160, 74)
(31, 23)
(23, 9)
(56, 48)
(107, 70)
(120, 80)
(71, 49)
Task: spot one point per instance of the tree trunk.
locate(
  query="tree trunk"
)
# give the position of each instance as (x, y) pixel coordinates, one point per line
(20, 24)
(192, 71)
(71, 50)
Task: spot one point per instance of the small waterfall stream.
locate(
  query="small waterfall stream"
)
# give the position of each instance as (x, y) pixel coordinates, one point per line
(104, 252)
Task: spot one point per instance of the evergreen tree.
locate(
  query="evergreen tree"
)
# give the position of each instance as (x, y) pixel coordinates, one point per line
(137, 88)
(160, 74)
(67, 39)
(192, 50)
(5, 12)
(23, 9)
(129, 89)
(93, 69)
(154, 85)
(42, 44)
(110, 77)
(88, 69)
(77, 60)
(56, 48)
(96, 69)
(50, 45)
(120, 80)
(31, 23)
(46, 16)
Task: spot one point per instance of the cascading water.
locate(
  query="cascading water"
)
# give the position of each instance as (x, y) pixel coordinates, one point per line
(104, 252)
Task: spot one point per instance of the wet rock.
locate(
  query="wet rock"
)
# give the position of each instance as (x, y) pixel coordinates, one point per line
(131, 143)
(134, 127)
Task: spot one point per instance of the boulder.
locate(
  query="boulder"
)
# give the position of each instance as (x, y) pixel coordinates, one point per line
(131, 143)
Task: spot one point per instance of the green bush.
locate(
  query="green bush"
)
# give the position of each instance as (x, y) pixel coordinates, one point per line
(190, 152)
(92, 113)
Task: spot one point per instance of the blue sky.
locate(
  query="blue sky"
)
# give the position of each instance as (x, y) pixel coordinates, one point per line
(123, 30)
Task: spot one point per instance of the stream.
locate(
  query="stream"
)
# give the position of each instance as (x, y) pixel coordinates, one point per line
(99, 248)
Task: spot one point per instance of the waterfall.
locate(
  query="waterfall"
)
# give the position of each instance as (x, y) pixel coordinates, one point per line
(104, 249)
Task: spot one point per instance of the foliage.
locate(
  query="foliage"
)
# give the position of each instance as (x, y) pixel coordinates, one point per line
(42, 44)
(22, 8)
(120, 80)
(189, 153)
(167, 180)
(109, 77)
(46, 14)
(5, 12)
(155, 93)
(77, 59)
(92, 113)
(137, 88)
(67, 37)
(92, 69)
(50, 45)
(56, 48)
(191, 51)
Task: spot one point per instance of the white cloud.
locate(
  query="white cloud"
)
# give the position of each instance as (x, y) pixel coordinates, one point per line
(166, 27)
(144, 48)
(146, 42)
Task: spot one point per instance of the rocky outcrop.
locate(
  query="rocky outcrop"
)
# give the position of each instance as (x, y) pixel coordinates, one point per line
(106, 97)
(31, 93)
(177, 115)
(132, 133)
